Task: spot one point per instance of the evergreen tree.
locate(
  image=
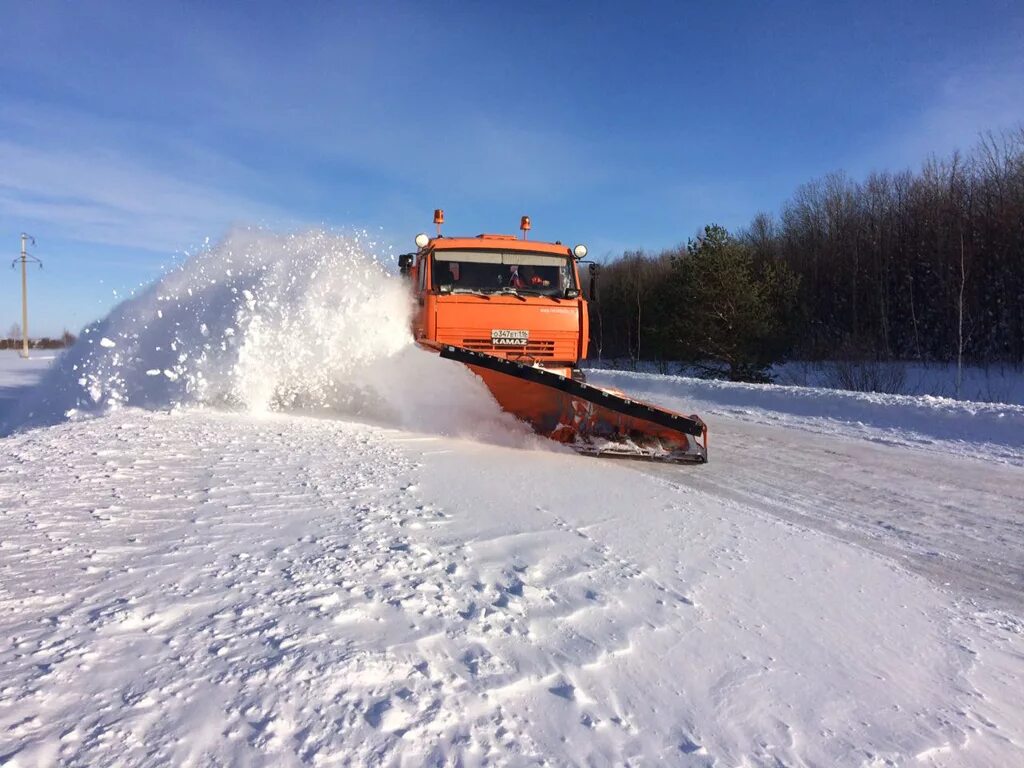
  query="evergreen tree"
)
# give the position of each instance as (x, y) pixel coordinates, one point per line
(725, 312)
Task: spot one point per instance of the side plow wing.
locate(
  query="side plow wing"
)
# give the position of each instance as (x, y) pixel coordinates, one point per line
(589, 419)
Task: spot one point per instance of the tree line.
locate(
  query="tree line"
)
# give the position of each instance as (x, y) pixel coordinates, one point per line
(925, 266)
(13, 340)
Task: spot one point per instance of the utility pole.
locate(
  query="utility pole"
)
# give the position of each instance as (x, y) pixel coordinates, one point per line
(26, 257)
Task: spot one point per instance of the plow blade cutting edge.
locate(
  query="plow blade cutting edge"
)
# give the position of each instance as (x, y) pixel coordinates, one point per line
(589, 419)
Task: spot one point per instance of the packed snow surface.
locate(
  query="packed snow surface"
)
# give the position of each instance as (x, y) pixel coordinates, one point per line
(312, 544)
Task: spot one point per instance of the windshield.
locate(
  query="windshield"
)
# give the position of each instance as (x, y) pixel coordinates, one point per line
(494, 271)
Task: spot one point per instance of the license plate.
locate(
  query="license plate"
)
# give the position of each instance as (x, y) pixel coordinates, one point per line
(509, 338)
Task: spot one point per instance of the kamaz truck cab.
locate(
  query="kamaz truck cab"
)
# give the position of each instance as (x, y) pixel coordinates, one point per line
(504, 296)
(512, 310)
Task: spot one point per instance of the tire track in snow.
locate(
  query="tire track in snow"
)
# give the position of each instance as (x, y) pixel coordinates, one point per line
(791, 637)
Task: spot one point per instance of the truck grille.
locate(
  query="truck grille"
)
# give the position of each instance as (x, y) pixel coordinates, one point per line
(537, 349)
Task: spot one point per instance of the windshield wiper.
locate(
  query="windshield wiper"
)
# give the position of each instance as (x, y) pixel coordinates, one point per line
(472, 291)
(536, 292)
(509, 291)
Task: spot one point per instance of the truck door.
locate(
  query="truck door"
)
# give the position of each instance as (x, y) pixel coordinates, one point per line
(419, 319)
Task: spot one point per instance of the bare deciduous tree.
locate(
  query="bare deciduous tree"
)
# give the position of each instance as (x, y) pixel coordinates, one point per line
(880, 263)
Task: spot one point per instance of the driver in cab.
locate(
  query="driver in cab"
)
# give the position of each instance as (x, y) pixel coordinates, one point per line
(526, 277)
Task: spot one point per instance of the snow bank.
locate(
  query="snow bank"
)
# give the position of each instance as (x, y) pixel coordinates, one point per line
(263, 323)
(990, 430)
(996, 383)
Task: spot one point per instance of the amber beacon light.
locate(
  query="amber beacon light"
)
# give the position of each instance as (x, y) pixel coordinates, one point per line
(524, 224)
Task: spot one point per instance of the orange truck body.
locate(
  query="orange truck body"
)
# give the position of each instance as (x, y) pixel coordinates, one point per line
(559, 330)
(526, 343)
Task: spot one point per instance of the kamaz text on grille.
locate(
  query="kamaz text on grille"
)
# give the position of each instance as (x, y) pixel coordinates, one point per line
(503, 338)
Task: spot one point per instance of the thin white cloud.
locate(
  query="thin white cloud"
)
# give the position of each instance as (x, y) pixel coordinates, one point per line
(103, 196)
(963, 106)
(495, 158)
(57, 169)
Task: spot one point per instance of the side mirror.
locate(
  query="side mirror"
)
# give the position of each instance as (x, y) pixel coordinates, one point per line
(405, 262)
(593, 281)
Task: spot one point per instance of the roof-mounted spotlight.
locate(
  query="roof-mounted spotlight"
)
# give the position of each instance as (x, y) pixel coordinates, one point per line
(580, 251)
(422, 240)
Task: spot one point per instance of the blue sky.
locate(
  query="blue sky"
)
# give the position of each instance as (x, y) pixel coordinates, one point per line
(130, 133)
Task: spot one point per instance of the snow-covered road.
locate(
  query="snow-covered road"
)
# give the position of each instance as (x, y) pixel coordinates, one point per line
(199, 587)
(952, 510)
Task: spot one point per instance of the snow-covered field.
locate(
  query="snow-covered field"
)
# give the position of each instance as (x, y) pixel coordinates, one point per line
(996, 383)
(302, 542)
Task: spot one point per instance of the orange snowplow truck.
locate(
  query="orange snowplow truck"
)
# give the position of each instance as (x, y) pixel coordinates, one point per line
(513, 311)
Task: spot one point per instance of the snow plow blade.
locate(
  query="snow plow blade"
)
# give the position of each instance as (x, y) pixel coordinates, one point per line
(589, 419)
